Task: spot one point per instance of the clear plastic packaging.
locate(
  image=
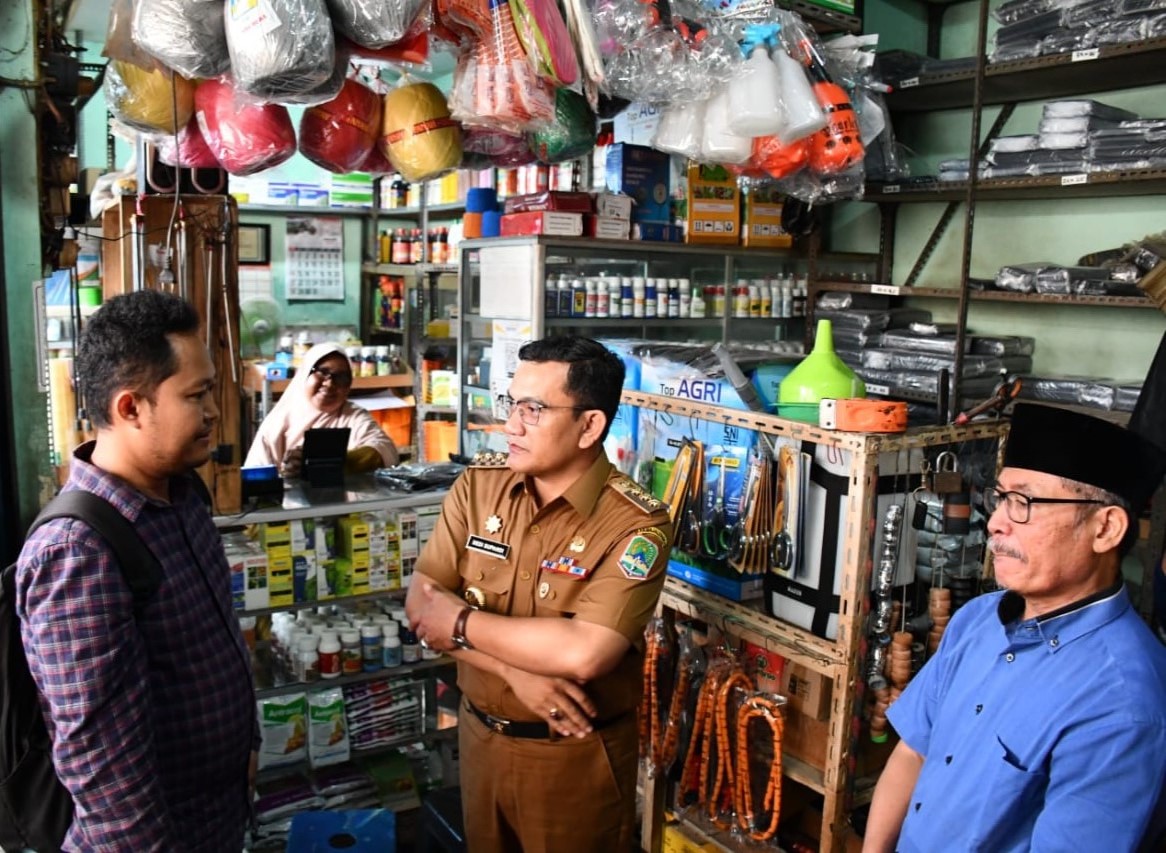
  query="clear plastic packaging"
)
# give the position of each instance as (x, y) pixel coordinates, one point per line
(188, 36)
(188, 149)
(495, 87)
(119, 39)
(147, 100)
(1001, 346)
(377, 23)
(681, 130)
(280, 48)
(1026, 142)
(244, 137)
(543, 34)
(484, 149)
(338, 135)
(914, 360)
(570, 135)
(419, 136)
(1076, 390)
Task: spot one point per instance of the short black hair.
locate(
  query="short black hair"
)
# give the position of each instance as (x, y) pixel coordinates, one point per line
(594, 375)
(125, 345)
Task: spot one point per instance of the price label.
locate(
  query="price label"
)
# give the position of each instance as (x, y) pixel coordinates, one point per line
(886, 289)
(1074, 180)
(889, 189)
(878, 390)
(1086, 55)
(909, 83)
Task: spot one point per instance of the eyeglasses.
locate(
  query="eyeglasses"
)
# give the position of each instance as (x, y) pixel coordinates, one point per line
(528, 410)
(339, 378)
(1019, 506)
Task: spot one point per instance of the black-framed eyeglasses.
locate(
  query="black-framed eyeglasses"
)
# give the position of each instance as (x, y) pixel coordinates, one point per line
(528, 410)
(339, 378)
(1018, 506)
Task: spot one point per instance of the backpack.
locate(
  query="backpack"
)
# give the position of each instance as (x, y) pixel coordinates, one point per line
(35, 808)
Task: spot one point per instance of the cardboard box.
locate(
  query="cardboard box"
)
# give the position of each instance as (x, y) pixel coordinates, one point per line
(613, 206)
(550, 222)
(808, 691)
(741, 588)
(762, 224)
(352, 533)
(644, 174)
(714, 206)
(763, 666)
(606, 227)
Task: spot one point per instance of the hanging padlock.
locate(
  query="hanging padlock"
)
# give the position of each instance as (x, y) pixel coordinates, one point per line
(947, 477)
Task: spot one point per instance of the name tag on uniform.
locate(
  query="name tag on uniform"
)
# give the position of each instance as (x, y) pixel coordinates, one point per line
(497, 550)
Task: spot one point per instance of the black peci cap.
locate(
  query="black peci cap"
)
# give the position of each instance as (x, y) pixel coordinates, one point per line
(1085, 449)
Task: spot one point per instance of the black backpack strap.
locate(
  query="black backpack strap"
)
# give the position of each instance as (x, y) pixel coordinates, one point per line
(139, 566)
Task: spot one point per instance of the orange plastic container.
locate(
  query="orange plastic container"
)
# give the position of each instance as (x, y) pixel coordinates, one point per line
(440, 440)
(397, 424)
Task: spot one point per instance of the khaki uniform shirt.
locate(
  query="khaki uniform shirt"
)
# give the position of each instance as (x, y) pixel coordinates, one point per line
(598, 553)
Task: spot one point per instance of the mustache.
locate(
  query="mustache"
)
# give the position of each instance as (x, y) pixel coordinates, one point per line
(999, 548)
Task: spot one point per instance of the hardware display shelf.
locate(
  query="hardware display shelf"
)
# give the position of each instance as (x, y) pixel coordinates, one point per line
(1081, 72)
(839, 660)
(1121, 182)
(986, 295)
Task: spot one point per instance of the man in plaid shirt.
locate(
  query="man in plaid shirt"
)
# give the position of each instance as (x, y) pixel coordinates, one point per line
(152, 718)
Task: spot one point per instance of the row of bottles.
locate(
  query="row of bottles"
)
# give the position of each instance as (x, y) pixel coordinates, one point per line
(409, 245)
(643, 297)
(375, 361)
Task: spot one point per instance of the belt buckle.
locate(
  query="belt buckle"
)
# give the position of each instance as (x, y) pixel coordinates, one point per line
(497, 724)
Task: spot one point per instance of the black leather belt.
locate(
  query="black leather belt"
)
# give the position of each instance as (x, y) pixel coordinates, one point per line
(522, 728)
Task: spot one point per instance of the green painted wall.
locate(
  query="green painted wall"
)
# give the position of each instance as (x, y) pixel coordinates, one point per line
(19, 197)
(1102, 342)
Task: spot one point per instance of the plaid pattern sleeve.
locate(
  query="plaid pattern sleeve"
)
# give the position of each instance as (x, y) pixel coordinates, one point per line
(152, 718)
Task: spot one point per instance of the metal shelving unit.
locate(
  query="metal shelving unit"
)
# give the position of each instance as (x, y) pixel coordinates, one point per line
(1132, 65)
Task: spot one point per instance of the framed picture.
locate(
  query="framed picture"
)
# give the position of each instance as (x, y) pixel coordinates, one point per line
(254, 244)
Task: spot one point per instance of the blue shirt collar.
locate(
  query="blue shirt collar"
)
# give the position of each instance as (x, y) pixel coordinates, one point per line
(1062, 626)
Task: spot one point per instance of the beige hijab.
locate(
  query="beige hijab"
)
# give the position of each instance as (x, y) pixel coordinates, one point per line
(284, 427)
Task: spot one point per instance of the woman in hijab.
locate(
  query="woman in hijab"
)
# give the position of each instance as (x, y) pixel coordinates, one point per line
(316, 397)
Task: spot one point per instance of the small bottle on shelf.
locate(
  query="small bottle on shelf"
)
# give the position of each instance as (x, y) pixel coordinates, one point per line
(329, 655)
(684, 289)
(416, 247)
(390, 646)
(384, 247)
(401, 247)
(383, 366)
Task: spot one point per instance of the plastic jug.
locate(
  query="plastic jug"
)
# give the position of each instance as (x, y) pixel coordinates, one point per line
(755, 102)
(720, 144)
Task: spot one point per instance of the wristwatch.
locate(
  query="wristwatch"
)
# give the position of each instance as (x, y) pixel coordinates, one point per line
(459, 629)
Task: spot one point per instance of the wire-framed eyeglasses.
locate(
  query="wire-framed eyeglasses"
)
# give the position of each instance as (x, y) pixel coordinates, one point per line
(339, 378)
(1018, 505)
(528, 410)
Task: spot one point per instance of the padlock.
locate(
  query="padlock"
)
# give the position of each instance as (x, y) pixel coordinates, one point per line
(947, 478)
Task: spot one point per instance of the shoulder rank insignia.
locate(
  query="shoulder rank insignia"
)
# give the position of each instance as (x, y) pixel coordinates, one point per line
(489, 459)
(632, 491)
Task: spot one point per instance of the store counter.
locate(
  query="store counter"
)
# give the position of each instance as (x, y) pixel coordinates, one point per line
(360, 493)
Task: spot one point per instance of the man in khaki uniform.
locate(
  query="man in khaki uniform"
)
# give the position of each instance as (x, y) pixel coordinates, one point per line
(543, 570)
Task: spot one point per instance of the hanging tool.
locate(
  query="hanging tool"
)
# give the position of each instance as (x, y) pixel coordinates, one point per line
(781, 552)
(225, 277)
(180, 250)
(1004, 394)
(208, 273)
(137, 248)
(714, 537)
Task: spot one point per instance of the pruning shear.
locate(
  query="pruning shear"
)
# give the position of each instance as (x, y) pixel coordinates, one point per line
(714, 534)
(1004, 394)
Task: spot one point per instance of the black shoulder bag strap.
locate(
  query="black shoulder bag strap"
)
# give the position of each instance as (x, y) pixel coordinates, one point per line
(139, 566)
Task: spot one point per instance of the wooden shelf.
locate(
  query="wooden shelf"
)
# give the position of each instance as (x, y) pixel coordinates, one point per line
(253, 382)
(295, 210)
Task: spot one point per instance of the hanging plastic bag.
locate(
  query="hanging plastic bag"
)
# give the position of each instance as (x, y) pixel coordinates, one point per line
(244, 137)
(544, 36)
(571, 135)
(463, 22)
(379, 23)
(418, 135)
(330, 88)
(339, 134)
(188, 149)
(152, 101)
(119, 39)
(279, 48)
(485, 149)
(496, 87)
(186, 35)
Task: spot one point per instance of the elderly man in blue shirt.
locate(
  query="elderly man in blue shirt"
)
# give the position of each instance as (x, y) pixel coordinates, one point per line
(1040, 724)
